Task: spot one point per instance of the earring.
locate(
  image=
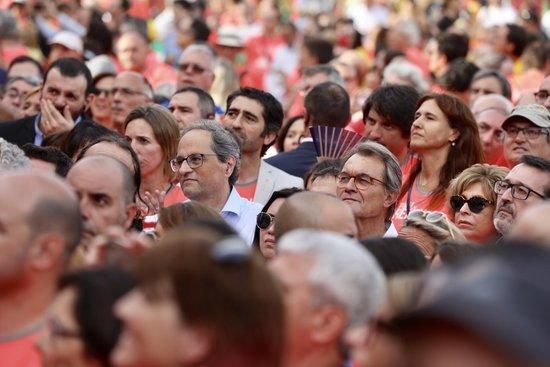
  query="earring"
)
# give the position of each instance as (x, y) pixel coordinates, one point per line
(453, 143)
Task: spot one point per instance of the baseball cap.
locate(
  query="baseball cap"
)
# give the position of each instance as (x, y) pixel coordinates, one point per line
(101, 65)
(536, 113)
(502, 296)
(229, 37)
(68, 39)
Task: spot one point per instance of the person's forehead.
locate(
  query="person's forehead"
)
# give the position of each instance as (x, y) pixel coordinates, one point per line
(359, 164)
(20, 84)
(373, 114)
(89, 177)
(187, 99)
(195, 141)
(75, 84)
(487, 82)
(198, 57)
(526, 175)
(247, 104)
(130, 41)
(491, 116)
(24, 69)
(129, 80)
(316, 79)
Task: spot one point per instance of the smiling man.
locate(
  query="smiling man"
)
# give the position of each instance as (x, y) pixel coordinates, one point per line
(524, 186)
(67, 83)
(369, 183)
(207, 166)
(527, 132)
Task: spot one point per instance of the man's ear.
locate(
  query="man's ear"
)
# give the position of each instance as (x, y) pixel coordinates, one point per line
(46, 251)
(89, 100)
(131, 213)
(230, 166)
(269, 138)
(329, 322)
(390, 198)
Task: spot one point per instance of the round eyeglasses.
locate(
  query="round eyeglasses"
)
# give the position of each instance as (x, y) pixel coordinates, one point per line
(194, 161)
(264, 220)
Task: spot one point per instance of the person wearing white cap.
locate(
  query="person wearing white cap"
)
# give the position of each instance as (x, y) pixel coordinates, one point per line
(527, 131)
(65, 44)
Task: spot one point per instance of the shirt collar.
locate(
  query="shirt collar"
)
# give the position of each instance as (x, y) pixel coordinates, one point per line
(233, 203)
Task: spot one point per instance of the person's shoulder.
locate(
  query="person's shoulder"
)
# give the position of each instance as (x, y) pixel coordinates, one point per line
(16, 123)
(280, 174)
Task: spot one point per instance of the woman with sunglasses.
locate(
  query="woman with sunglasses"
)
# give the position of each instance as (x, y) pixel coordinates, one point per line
(445, 137)
(264, 239)
(472, 201)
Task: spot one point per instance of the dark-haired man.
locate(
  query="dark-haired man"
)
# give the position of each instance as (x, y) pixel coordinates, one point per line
(327, 104)
(444, 49)
(190, 104)
(67, 83)
(256, 117)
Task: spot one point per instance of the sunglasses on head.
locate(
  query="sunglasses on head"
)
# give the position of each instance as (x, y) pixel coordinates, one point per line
(475, 203)
(264, 220)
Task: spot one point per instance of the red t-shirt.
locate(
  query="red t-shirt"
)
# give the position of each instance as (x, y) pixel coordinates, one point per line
(21, 352)
(247, 191)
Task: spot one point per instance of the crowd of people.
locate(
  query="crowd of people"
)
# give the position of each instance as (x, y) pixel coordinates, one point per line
(274, 183)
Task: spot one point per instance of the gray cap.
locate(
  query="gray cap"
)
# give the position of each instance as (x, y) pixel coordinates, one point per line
(101, 65)
(536, 113)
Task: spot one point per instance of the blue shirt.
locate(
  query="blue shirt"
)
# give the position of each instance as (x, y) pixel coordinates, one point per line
(241, 214)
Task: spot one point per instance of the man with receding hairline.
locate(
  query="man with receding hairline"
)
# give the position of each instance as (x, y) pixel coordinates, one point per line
(103, 202)
(315, 210)
(130, 90)
(37, 237)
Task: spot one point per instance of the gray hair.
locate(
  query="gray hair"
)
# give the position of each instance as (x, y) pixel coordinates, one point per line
(492, 101)
(343, 272)
(393, 176)
(203, 48)
(12, 157)
(329, 70)
(408, 72)
(490, 73)
(224, 143)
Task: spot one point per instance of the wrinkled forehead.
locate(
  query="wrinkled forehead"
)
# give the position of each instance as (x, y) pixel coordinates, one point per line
(198, 57)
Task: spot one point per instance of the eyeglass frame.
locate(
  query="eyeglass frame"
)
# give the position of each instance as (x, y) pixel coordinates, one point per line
(540, 99)
(271, 220)
(369, 177)
(512, 187)
(525, 130)
(486, 203)
(174, 161)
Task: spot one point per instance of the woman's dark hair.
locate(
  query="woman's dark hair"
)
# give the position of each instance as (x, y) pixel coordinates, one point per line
(396, 255)
(280, 142)
(97, 290)
(81, 135)
(280, 194)
(466, 152)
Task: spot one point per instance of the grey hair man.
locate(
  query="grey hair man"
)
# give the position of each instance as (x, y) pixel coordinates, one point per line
(490, 110)
(524, 186)
(37, 239)
(196, 67)
(333, 285)
(130, 90)
(12, 157)
(207, 166)
(369, 182)
(191, 104)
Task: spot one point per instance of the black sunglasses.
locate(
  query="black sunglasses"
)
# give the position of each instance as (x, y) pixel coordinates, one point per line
(475, 203)
(264, 220)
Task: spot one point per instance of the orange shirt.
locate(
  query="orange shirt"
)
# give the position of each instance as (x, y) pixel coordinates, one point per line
(247, 191)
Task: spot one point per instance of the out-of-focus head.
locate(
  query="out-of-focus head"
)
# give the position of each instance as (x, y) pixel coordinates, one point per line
(176, 215)
(321, 177)
(315, 51)
(473, 201)
(65, 44)
(327, 104)
(25, 66)
(333, 285)
(16, 89)
(201, 300)
(48, 159)
(131, 51)
(196, 67)
(290, 134)
(531, 226)
(524, 186)
(316, 211)
(542, 96)
(130, 90)
(487, 81)
(12, 158)
(191, 104)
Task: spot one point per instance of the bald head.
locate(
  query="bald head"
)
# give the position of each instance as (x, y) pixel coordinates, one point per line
(130, 90)
(103, 202)
(530, 226)
(315, 210)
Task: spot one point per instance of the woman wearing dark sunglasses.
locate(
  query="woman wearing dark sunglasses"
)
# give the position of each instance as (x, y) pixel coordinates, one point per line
(472, 201)
(264, 239)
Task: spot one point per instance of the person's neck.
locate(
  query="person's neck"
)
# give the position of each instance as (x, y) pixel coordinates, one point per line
(250, 168)
(106, 121)
(431, 164)
(328, 356)
(24, 306)
(154, 181)
(217, 202)
(371, 227)
(403, 156)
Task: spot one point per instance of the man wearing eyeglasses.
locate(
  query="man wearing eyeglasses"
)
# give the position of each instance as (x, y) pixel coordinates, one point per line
(523, 187)
(207, 166)
(130, 90)
(543, 95)
(369, 183)
(527, 131)
(196, 67)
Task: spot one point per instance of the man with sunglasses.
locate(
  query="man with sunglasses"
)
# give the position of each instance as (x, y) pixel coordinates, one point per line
(523, 187)
(130, 90)
(196, 67)
(527, 131)
(207, 166)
